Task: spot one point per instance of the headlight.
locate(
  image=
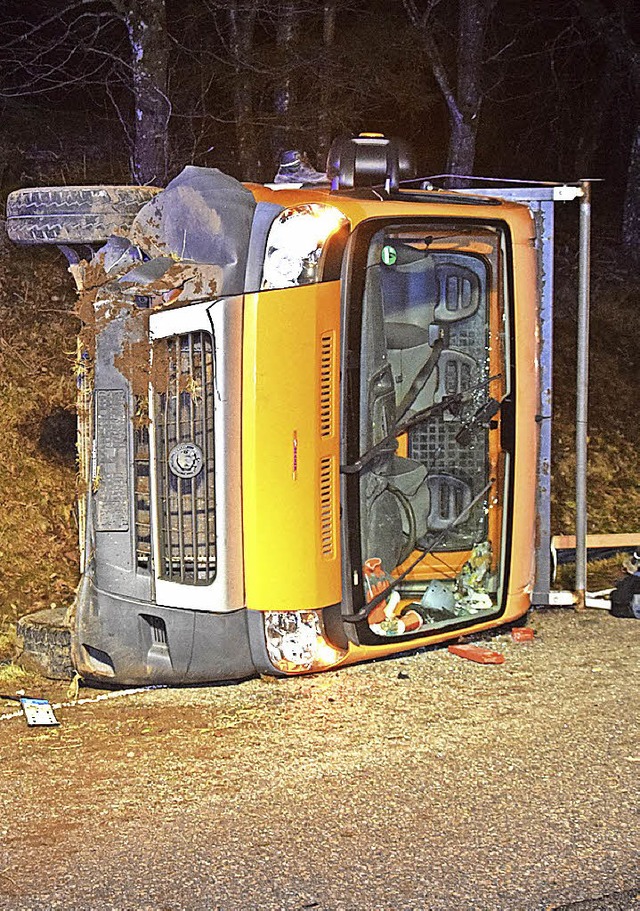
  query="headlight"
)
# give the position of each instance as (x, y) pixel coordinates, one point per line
(296, 641)
(295, 243)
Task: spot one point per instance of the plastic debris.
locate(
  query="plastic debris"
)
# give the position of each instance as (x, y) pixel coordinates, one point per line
(439, 596)
(38, 712)
(523, 634)
(382, 619)
(477, 653)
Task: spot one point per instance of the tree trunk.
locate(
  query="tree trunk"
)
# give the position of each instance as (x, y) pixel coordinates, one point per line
(285, 93)
(614, 31)
(462, 151)
(463, 103)
(242, 22)
(592, 126)
(631, 214)
(473, 16)
(325, 119)
(147, 29)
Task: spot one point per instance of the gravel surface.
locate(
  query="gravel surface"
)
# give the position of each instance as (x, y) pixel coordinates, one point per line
(422, 782)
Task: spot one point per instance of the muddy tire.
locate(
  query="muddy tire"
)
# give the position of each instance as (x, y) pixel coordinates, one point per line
(73, 215)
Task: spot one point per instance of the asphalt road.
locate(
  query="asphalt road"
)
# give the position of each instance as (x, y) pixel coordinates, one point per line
(425, 783)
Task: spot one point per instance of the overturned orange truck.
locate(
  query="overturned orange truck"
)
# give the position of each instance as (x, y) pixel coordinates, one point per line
(311, 418)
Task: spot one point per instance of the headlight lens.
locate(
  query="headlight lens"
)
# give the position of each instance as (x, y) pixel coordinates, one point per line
(296, 641)
(295, 243)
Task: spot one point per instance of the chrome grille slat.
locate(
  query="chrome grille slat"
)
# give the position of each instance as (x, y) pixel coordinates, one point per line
(192, 421)
(163, 470)
(205, 452)
(176, 362)
(142, 494)
(185, 414)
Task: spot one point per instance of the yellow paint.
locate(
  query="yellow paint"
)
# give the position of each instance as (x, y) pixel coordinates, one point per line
(283, 449)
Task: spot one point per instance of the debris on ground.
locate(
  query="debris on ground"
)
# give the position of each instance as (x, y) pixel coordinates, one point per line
(38, 712)
(523, 634)
(477, 653)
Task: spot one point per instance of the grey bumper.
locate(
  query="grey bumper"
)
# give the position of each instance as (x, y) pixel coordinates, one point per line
(127, 642)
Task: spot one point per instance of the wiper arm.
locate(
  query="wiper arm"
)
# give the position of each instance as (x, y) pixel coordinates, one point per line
(390, 442)
(364, 612)
(482, 418)
(450, 403)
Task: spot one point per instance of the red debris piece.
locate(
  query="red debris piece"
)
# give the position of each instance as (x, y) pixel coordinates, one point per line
(523, 634)
(477, 653)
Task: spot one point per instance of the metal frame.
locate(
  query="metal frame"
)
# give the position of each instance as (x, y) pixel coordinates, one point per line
(541, 200)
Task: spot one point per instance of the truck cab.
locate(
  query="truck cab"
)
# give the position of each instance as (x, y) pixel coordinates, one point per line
(308, 427)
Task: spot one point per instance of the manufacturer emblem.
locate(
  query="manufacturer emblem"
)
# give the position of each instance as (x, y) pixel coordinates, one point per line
(186, 460)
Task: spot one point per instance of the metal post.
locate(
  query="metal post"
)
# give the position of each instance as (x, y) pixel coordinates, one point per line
(582, 394)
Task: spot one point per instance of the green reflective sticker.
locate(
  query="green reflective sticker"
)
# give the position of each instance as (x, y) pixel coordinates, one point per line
(389, 255)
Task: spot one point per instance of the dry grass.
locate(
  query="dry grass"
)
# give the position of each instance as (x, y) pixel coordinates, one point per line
(9, 645)
(37, 524)
(614, 428)
(12, 675)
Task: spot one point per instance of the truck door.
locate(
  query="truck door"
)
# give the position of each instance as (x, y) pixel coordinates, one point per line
(426, 415)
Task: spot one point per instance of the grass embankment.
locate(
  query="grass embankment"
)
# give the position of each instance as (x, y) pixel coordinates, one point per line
(614, 384)
(38, 536)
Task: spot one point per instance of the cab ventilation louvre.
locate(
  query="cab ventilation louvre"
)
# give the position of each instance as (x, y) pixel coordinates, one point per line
(327, 356)
(327, 530)
(184, 414)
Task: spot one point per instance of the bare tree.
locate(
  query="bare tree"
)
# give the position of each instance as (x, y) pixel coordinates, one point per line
(288, 24)
(325, 120)
(96, 45)
(146, 23)
(242, 23)
(610, 26)
(461, 84)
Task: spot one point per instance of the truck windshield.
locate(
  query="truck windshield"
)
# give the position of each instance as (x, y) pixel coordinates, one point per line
(431, 475)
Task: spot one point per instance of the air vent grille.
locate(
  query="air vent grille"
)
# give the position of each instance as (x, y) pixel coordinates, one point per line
(158, 629)
(327, 356)
(327, 524)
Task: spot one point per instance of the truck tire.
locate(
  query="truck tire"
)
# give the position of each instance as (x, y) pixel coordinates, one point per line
(73, 215)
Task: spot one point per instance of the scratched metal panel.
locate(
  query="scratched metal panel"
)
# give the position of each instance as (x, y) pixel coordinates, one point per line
(112, 499)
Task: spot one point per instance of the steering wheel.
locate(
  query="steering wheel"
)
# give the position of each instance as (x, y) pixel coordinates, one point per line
(411, 534)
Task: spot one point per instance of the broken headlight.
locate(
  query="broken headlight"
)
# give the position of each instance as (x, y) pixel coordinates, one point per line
(295, 244)
(296, 641)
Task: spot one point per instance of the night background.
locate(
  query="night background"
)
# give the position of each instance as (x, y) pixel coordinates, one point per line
(543, 91)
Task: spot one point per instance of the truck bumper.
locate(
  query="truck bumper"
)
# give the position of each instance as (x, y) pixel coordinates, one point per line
(121, 641)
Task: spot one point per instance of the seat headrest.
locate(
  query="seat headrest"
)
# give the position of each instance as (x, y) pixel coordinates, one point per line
(368, 160)
(401, 336)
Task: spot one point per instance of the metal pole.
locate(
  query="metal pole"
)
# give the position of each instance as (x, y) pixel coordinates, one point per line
(582, 393)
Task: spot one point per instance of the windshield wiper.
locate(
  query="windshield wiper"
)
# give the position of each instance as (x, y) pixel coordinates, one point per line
(452, 403)
(364, 612)
(481, 419)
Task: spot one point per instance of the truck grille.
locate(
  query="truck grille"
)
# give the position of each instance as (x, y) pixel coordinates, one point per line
(184, 426)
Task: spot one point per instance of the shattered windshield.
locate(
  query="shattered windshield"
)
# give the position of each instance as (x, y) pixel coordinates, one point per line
(434, 375)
